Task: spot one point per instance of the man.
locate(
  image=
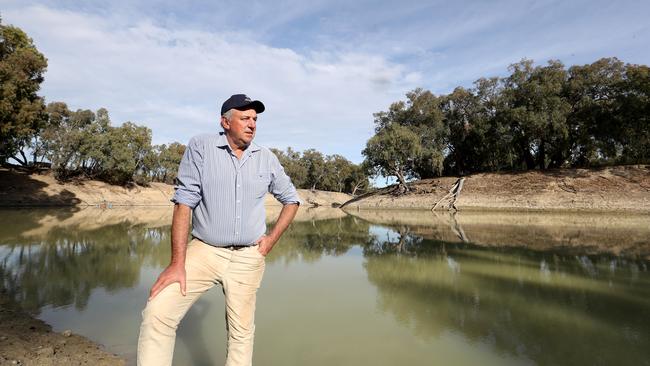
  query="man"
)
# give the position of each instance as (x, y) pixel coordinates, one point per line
(222, 180)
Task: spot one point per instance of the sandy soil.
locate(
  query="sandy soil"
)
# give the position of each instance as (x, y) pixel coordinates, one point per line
(25, 340)
(41, 190)
(621, 188)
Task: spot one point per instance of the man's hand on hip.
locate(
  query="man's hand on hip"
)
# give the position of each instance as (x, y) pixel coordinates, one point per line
(173, 273)
(265, 244)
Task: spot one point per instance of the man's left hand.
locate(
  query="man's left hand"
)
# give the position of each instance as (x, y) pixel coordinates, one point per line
(265, 244)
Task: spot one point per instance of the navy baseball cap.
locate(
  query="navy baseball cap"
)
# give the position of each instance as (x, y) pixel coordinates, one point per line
(241, 102)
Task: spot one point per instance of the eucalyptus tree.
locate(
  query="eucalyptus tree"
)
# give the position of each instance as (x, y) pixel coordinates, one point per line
(537, 113)
(421, 114)
(313, 162)
(68, 138)
(129, 145)
(593, 92)
(22, 110)
(293, 166)
(167, 160)
(635, 134)
(393, 151)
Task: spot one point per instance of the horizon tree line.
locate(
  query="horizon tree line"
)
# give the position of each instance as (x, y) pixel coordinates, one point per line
(538, 117)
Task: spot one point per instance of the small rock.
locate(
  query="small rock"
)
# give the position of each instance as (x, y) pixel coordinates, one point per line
(67, 333)
(45, 351)
(3, 338)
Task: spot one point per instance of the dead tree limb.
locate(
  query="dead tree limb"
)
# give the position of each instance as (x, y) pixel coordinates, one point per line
(385, 190)
(452, 195)
(457, 229)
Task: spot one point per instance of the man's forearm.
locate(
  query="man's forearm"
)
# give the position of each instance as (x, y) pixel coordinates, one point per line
(180, 228)
(286, 216)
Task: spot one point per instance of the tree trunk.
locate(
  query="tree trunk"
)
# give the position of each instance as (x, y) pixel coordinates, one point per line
(529, 159)
(402, 181)
(541, 155)
(356, 186)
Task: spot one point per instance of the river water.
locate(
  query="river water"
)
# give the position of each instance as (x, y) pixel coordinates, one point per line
(373, 287)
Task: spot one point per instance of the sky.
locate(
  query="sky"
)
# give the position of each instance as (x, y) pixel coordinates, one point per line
(322, 68)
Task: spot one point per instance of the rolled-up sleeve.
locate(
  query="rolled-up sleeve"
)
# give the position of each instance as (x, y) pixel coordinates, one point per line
(188, 182)
(281, 187)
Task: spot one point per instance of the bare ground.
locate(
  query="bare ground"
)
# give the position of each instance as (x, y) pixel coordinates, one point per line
(25, 340)
(620, 188)
(19, 189)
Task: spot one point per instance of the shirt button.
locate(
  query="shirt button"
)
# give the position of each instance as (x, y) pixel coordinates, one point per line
(238, 201)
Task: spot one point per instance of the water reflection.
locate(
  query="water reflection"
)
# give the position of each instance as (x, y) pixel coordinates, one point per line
(436, 284)
(65, 266)
(311, 240)
(578, 233)
(526, 304)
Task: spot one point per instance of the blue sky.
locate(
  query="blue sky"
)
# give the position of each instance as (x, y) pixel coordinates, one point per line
(321, 67)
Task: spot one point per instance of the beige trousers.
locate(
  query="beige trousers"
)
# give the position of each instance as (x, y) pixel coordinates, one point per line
(240, 274)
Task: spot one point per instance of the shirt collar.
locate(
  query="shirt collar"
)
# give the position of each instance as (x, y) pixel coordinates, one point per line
(222, 142)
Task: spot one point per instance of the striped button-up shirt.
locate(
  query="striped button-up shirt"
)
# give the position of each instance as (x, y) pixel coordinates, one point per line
(227, 193)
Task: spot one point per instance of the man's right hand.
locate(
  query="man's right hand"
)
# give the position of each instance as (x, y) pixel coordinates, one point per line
(173, 273)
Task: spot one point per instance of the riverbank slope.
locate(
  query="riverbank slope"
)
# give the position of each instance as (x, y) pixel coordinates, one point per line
(25, 340)
(18, 189)
(618, 188)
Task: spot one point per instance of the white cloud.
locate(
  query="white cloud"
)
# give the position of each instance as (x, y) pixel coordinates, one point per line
(174, 80)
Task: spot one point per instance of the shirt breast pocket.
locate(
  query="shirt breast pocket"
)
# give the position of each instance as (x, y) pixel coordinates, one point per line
(261, 182)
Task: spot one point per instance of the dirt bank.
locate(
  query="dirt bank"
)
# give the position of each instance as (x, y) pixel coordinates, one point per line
(28, 341)
(621, 188)
(18, 189)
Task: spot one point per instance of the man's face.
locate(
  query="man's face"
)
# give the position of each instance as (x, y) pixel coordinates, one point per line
(241, 126)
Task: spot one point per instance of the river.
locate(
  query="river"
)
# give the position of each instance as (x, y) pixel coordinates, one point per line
(371, 287)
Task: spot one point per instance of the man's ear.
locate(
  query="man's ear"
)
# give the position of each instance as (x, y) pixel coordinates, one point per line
(225, 124)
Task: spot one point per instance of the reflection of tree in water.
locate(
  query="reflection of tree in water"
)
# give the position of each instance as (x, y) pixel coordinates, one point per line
(405, 242)
(310, 240)
(67, 265)
(17, 221)
(551, 308)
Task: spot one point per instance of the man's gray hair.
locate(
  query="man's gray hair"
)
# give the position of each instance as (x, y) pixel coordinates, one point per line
(228, 114)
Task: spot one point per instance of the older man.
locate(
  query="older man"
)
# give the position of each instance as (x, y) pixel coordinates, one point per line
(222, 181)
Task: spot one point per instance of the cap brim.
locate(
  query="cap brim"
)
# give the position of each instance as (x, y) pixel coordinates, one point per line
(256, 105)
